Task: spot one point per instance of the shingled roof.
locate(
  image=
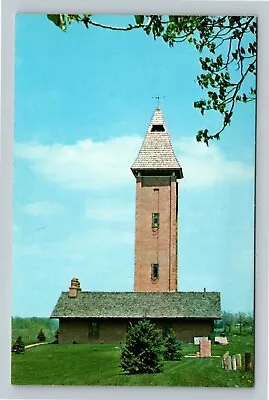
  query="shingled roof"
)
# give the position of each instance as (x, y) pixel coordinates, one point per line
(138, 304)
(156, 152)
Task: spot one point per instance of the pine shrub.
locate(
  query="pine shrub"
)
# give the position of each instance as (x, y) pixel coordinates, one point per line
(142, 352)
(56, 336)
(18, 347)
(41, 336)
(172, 347)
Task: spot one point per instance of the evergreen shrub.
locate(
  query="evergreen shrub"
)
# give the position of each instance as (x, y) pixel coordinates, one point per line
(18, 347)
(142, 352)
(172, 347)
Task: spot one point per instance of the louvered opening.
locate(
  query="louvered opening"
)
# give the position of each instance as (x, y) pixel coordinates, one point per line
(157, 128)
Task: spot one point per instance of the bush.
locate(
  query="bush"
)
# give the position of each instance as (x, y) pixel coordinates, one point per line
(56, 335)
(142, 352)
(172, 347)
(18, 347)
(41, 336)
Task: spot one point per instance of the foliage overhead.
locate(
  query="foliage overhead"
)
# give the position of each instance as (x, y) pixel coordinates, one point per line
(227, 47)
(41, 336)
(142, 352)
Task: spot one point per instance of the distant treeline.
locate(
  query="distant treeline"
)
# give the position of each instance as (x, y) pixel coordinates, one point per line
(235, 323)
(28, 328)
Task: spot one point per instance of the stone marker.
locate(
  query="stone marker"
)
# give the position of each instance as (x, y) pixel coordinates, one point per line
(224, 360)
(221, 340)
(229, 363)
(198, 339)
(234, 362)
(247, 361)
(238, 361)
(205, 348)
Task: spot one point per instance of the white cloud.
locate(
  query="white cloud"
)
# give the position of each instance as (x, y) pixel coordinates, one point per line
(110, 210)
(88, 165)
(85, 164)
(42, 208)
(206, 166)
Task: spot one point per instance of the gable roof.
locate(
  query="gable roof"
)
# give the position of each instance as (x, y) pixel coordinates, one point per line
(138, 305)
(156, 152)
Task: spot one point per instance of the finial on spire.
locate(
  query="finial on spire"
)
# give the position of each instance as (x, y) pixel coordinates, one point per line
(158, 100)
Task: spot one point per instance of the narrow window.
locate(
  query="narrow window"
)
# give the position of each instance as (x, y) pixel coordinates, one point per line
(94, 330)
(155, 220)
(154, 271)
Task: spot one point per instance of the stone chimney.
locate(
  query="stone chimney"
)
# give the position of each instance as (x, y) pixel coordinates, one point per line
(74, 288)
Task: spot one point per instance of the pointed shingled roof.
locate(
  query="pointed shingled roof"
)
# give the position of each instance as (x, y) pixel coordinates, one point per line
(156, 152)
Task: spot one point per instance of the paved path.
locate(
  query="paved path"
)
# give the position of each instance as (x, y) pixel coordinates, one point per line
(34, 345)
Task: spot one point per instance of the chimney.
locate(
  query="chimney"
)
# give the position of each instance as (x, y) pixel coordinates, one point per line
(74, 288)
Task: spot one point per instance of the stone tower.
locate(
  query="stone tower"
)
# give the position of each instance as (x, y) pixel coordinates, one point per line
(156, 170)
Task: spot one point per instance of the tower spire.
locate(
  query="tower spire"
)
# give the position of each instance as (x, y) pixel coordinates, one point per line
(156, 152)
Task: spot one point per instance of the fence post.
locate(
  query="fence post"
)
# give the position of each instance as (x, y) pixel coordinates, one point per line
(229, 363)
(224, 360)
(234, 362)
(247, 361)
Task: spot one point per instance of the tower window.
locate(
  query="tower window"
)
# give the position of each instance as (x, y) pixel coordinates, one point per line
(157, 128)
(154, 271)
(155, 220)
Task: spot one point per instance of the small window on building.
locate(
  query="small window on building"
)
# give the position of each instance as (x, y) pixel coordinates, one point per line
(155, 220)
(154, 271)
(157, 128)
(94, 330)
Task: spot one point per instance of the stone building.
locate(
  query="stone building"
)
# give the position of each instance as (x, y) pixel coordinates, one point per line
(86, 317)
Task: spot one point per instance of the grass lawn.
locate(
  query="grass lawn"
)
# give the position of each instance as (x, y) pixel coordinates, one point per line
(99, 365)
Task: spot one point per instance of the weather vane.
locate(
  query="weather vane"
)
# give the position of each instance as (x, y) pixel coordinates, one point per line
(158, 99)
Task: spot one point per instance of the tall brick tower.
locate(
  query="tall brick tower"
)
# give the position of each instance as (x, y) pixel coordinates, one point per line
(156, 170)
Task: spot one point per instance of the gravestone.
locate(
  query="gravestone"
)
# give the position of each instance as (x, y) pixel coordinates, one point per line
(238, 361)
(205, 348)
(224, 360)
(248, 365)
(221, 340)
(234, 362)
(229, 363)
(198, 339)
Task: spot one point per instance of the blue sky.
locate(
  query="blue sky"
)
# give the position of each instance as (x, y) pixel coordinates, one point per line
(83, 102)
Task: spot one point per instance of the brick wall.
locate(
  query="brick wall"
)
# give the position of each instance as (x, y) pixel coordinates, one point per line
(73, 329)
(114, 331)
(78, 330)
(152, 245)
(185, 330)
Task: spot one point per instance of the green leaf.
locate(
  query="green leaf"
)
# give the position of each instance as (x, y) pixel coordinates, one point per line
(139, 19)
(58, 20)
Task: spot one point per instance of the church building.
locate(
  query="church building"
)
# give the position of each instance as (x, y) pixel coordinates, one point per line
(94, 317)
